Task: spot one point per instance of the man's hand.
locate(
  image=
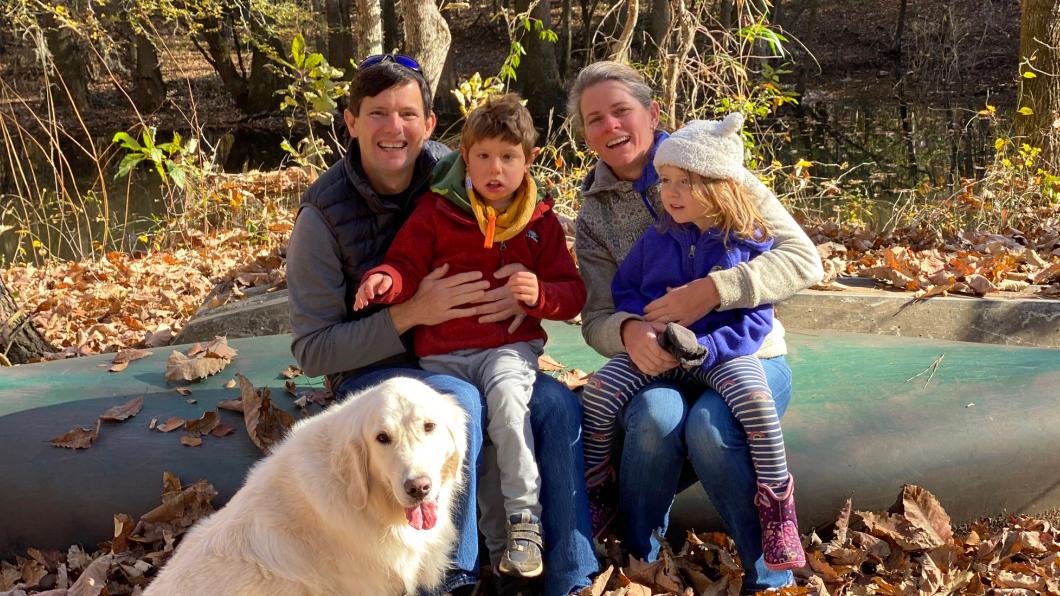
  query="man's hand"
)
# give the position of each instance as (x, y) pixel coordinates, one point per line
(376, 284)
(439, 298)
(524, 287)
(501, 304)
(641, 339)
(685, 304)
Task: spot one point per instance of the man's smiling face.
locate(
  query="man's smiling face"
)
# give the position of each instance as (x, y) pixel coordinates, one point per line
(390, 129)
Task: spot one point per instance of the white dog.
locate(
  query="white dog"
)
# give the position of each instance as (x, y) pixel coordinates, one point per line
(356, 501)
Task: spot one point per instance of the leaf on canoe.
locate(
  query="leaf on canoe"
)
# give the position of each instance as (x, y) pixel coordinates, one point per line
(203, 425)
(123, 358)
(78, 438)
(124, 411)
(171, 424)
(266, 424)
(291, 372)
(183, 390)
(190, 441)
(123, 528)
(232, 405)
(200, 361)
(222, 430)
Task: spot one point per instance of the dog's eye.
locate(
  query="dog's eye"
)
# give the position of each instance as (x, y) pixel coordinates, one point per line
(383, 438)
(428, 427)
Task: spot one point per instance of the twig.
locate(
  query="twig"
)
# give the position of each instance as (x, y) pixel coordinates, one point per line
(934, 367)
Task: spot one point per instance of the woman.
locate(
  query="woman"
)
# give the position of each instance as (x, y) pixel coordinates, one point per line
(664, 429)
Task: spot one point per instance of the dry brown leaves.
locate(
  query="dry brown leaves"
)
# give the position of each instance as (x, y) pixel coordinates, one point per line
(920, 261)
(909, 550)
(82, 438)
(124, 563)
(141, 299)
(571, 377)
(266, 424)
(200, 361)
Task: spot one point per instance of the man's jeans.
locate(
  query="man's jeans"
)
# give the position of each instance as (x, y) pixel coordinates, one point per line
(664, 432)
(555, 419)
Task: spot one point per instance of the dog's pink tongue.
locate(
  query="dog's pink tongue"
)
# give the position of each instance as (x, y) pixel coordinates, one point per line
(422, 516)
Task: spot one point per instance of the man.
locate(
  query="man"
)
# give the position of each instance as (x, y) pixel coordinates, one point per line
(346, 221)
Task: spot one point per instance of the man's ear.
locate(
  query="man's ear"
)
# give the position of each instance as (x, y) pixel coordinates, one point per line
(430, 121)
(351, 120)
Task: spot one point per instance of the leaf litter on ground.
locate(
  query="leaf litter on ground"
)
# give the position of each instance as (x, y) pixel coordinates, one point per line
(910, 549)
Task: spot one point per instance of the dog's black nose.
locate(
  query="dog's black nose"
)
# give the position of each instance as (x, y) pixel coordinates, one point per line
(418, 488)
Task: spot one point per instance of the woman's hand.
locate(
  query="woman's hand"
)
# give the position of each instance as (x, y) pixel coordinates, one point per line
(642, 345)
(685, 304)
(501, 303)
(439, 298)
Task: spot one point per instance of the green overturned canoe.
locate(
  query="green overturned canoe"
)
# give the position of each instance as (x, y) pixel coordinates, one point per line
(869, 413)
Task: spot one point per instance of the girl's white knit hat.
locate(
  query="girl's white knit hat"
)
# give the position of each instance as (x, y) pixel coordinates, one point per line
(710, 148)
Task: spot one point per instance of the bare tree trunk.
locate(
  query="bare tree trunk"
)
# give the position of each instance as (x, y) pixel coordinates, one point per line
(70, 60)
(340, 34)
(427, 37)
(620, 51)
(1040, 54)
(565, 37)
(390, 26)
(149, 90)
(682, 38)
(538, 72)
(726, 14)
(899, 29)
(264, 79)
(369, 32)
(659, 27)
(219, 53)
(20, 341)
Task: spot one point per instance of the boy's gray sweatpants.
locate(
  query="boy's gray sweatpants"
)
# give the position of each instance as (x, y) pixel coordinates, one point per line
(506, 376)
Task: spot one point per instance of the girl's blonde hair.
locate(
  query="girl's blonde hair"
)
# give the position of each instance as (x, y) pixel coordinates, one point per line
(730, 207)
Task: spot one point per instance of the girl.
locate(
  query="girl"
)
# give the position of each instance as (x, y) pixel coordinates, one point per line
(711, 224)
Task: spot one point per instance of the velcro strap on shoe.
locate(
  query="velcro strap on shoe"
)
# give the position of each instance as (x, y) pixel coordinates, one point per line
(528, 532)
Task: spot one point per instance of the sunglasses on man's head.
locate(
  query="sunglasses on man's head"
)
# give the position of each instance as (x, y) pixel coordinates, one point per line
(395, 58)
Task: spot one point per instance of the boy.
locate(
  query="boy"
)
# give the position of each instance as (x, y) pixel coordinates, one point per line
(484, 212)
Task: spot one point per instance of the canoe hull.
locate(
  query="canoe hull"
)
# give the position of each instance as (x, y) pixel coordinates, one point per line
(869, 413)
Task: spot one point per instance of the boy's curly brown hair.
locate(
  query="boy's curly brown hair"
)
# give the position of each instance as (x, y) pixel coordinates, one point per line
(503, 117)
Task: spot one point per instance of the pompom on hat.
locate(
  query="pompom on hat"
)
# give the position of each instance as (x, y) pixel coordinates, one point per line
(711, 148)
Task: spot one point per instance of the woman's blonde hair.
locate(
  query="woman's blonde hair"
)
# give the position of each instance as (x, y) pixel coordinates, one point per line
(601, 72)
(729, 207)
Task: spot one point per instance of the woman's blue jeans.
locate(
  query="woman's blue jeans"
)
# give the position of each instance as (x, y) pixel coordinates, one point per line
(555, 419)
(664, 433)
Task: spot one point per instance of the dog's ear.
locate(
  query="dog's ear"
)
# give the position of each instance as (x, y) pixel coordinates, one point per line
(349, 463)
(456, 426)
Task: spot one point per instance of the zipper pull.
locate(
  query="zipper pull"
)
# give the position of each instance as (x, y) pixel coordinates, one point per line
(692, 251)
(491, 227)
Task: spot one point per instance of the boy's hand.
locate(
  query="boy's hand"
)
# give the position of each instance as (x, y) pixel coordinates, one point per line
(376, 284)
(524, 287)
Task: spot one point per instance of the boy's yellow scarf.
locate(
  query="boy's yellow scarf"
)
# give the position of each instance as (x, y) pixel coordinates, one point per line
(498, 227)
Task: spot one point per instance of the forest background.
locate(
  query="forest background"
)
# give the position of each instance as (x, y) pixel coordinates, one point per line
(152, 152)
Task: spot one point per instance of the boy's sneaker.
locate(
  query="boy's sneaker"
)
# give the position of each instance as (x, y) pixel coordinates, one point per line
(602, 487)
(781, 546)
(522, 556)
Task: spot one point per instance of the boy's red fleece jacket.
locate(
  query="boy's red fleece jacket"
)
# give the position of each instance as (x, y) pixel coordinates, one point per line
(437, 232)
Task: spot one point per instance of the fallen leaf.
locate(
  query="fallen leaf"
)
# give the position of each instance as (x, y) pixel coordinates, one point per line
(231, 384)
(123, 358)
(182, 390)
(266, 424)
(232, 405)
(291, 372)
(222, 430)
(124, 411)
(93, 580)
(171, 424)
(78, 438)
(546, 363)
(123, 528)
(182, 368)
(574, 378)
(190, 441)
(180, 509)
(203, 425)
